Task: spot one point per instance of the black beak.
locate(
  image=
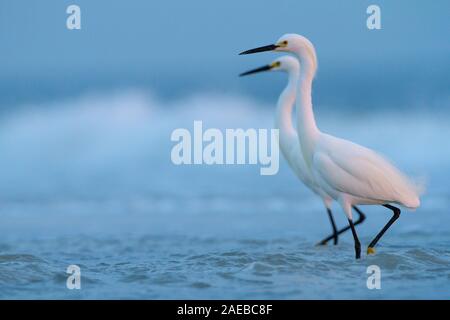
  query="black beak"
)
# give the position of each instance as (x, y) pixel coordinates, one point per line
(270, 47)
(261, 69)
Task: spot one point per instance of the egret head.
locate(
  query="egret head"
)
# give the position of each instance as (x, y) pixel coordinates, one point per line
(286, 64)
(291, 42)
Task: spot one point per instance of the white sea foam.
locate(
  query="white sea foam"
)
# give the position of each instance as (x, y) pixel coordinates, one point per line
(119, 143)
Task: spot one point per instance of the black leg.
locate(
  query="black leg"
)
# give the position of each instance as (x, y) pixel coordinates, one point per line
(356, 240)
(361, 215)
(333, 225)
(361, 218)
(395, 216)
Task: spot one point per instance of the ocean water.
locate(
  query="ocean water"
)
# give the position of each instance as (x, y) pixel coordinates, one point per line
(89, 181)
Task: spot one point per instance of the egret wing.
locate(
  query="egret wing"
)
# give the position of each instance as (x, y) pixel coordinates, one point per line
(359, 171)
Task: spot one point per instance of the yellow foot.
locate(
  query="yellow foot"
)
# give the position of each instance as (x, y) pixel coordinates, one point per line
(370, 250)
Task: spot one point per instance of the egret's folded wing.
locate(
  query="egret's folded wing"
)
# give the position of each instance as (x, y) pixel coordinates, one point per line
(353, 169)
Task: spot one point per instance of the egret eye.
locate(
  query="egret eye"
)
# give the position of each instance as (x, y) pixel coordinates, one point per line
(284, 43)
(276, 64)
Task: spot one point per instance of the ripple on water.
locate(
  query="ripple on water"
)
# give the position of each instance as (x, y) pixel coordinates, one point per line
(233, 254)
(20, 258)
(19, 269)
(276, 259)
(134, 278)
(427, 256)
(259, 268)
(200, 285)
(167, 278)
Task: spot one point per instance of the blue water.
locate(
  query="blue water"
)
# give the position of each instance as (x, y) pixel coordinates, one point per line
(89, 181)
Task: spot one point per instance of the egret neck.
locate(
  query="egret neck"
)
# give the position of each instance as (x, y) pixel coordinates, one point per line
(306, 124)
(283, 118)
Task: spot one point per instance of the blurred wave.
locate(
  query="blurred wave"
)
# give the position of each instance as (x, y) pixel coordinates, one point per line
(118, 144)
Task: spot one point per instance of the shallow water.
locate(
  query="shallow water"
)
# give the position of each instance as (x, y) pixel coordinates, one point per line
(220, 254)
(91, 183)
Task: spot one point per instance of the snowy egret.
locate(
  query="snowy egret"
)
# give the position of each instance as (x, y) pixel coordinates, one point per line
(349, 173)
(289, 142)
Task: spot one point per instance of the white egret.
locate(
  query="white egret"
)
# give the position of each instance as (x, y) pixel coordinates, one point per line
(289, 142)
(347, 172)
